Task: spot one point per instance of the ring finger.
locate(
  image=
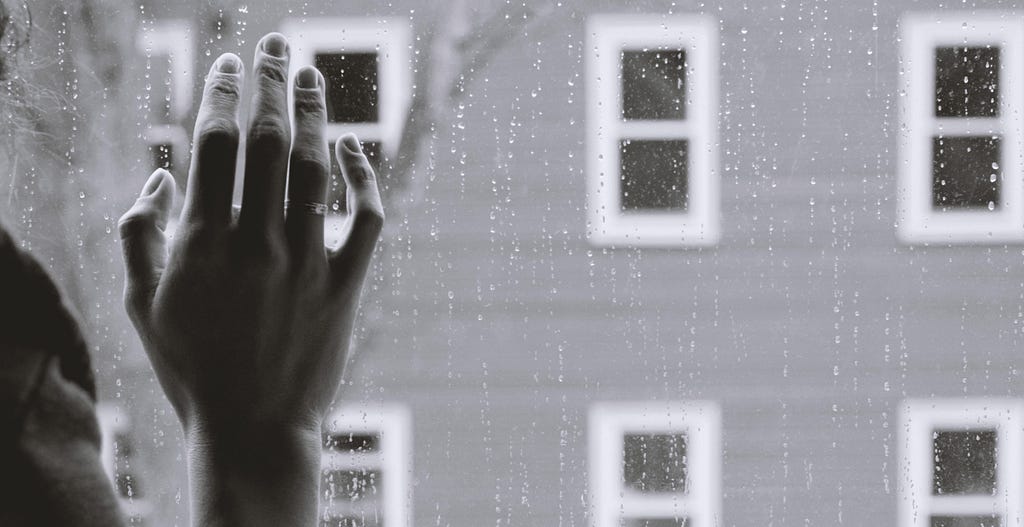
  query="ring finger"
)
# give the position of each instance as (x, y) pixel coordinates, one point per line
(309, 165)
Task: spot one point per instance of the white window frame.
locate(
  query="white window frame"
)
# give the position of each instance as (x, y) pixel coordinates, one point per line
(113, 420)
(391, 38)
(391, 422)
(611, 501)
(918, 420)
(921, 34)
(173, 39)
(607, 37)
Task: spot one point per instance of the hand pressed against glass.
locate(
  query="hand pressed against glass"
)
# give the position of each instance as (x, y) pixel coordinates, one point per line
(247, 322)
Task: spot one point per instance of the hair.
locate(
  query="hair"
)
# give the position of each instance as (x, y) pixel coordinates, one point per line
(13, 36)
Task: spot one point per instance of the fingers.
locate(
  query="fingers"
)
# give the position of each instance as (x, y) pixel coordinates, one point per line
(309, 167)
(142, 239)
(212, 175)
(366, 213)
(268, 140)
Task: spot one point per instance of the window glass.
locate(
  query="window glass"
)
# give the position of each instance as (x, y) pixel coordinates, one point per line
(645, 263)
(655, 523)
(654, 175)
(351, 86)
(961, 116)
(655, 462)
(163, 156)
(965, 462)
(967, 82)
(654, 84)
(965, 172)
(966, 521)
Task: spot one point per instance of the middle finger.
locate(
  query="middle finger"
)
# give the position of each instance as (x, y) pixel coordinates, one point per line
(268, 140)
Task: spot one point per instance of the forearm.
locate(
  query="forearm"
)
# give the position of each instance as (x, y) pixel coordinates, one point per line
(254, 477)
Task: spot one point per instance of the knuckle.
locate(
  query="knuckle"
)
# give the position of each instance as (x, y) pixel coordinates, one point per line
(360, 171)
(370, 218)
(269, 132)
(310, 162)
(135, 220)
(266, 253)
(217, 132)
(310, 104)
(223, 88)
(272, 70)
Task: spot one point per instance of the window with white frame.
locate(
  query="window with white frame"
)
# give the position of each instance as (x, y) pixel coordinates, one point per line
(118, 455)
(366, 467)
(652, 110)
(170, 61)
(962, 102)
(655, 464)
(960, 462)
(366, 63)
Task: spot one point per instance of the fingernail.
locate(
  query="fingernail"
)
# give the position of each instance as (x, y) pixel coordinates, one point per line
(275, 45)
(307, 78)
(351, 143)
(153, 183)
(229, 63)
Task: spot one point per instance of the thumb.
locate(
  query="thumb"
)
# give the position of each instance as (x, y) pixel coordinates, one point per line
(143, 241)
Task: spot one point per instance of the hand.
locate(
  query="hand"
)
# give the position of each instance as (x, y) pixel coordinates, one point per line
(247, 322)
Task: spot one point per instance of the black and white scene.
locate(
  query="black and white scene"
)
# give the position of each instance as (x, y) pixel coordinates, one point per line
(512, 263)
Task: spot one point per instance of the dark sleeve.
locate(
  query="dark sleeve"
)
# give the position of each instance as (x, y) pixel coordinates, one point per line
(50, 469)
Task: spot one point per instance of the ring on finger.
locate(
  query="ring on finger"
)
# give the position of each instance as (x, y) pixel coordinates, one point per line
(309, 207)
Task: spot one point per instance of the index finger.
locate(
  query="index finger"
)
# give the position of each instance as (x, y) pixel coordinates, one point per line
(211, 176)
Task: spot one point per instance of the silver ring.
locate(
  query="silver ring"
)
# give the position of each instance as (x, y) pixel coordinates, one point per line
(309, 207)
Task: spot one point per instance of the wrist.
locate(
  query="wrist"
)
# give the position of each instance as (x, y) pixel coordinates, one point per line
(254, 473)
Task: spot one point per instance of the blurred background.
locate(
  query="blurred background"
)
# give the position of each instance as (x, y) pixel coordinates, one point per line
(647, 263)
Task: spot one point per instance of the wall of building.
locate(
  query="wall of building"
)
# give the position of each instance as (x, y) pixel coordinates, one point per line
(496, 322)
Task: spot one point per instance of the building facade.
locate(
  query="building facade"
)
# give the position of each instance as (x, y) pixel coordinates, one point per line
(647, 263)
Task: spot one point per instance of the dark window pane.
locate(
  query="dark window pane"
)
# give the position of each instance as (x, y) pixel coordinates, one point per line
(655, 462)
(336, 186)
(660, 522)
(653, 84)
(966, 521)
(654, 174)
(162, 156)
(352, 521)
(965, 173)
(967, 82)
(352, 442)
(351, 86)
(351, 485)
(127, 485)
(965, 462)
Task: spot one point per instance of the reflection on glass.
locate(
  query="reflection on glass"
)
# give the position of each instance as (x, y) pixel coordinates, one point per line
(965, 462)
(654, 175)
(655, 462)
(965, 172)
(351, 86)
(653, 84)
(967, 82)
